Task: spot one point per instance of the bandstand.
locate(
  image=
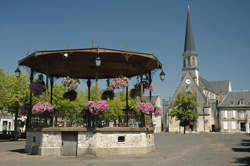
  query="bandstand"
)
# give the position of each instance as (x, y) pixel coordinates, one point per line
(91, 64)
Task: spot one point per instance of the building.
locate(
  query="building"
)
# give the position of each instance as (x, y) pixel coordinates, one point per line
(207, 93)
(6, 122)
(234, 112)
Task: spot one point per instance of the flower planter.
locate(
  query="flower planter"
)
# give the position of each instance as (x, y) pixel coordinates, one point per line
(71, 95)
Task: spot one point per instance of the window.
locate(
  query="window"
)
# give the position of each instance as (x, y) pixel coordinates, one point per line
(240, 102)
(225, 114)
(233, 114)
(225, 125)
(233, 125)
(5, 123)
(242, 114)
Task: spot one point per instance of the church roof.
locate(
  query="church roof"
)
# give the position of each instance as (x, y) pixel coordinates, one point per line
(215, 86)
(189, 37)
(236, 99)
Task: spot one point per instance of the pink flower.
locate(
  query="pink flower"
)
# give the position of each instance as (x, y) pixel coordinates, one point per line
(119, 83)
(100, 107)
(42, 107)
(158, 111)
(146, 108)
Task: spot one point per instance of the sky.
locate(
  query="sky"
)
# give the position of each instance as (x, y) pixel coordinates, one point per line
(221, 33)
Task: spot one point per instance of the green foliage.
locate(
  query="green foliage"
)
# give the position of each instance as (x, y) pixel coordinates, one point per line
(71, 110)
(184, 107)
(14, 91)
(117, 105)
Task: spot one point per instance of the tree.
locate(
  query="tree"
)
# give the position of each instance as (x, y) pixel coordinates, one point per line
(184, 107)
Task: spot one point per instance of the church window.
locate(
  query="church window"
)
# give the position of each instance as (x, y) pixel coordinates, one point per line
(184, 63)
(233, 125)
(225, 125)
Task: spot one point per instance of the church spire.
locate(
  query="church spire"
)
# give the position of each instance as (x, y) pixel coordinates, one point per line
(190, 61)
(189, 38)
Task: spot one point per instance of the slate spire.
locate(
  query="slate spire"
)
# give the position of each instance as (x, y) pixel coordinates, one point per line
(189, 37)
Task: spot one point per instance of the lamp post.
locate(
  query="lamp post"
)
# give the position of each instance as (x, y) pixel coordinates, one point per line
(18, 74)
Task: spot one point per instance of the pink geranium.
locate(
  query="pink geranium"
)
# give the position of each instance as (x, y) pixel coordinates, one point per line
(100, 107)
(146, 108)
(119, 83)
(157, 111)
(42, 107)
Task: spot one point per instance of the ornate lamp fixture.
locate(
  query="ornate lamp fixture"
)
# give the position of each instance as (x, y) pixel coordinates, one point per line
(162, 75)
(98, 60)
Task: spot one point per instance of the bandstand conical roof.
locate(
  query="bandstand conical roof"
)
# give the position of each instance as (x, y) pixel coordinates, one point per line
(80, 63)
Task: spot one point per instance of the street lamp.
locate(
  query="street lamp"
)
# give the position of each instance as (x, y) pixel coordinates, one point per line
(18, 72)
(162, 75)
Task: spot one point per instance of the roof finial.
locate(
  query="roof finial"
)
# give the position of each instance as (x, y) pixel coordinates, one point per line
(92, 41)
(188, 4)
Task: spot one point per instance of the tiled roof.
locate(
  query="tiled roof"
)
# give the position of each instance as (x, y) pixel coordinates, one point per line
(215, 86)
(236, 98)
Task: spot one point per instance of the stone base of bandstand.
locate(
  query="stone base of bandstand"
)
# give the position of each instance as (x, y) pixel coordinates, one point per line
(99, 142)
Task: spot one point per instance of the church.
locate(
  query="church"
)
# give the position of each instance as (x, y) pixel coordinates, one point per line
(207, 93)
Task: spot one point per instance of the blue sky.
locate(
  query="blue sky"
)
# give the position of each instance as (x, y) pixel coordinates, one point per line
(221, 31)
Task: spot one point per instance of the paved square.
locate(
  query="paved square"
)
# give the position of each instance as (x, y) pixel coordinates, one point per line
(172, 149)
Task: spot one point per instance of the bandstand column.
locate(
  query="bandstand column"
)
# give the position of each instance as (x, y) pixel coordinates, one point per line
(28, 126)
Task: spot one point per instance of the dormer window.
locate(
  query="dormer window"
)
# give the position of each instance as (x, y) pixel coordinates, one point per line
(241, 102)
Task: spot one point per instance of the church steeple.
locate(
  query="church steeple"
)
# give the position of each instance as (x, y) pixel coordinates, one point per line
(190, 62)
(189, 38)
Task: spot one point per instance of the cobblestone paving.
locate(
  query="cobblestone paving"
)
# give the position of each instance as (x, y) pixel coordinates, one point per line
(213, 149)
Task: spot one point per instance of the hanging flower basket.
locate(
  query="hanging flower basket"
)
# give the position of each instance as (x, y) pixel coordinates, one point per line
(135, 92)
(100, 107)
(157, 111)
(71, 95)
(37, 88)
(25, 109)
(108, 94)
(42, 107)
(119, 83)
(70, 83)
(146, 108)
